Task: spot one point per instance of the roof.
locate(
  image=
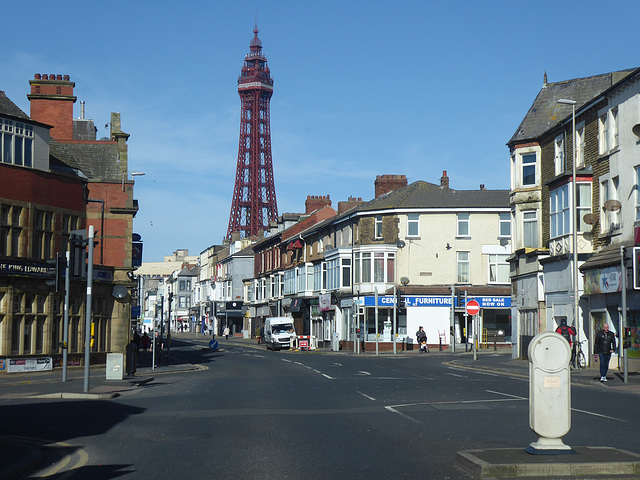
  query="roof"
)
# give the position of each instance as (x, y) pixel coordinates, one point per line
(98, 160)
(606, 257)
(8, 108)
(422, 194)
(546, 112)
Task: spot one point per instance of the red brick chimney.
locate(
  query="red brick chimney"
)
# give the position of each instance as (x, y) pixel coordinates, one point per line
(316, 202)
(349, 204)
(444, 180)
(389, 183)
(52, 100)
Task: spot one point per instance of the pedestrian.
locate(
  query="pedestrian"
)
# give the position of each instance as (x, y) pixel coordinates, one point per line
(569, 333)
(145, 341)
(226, 332)
(603, 346)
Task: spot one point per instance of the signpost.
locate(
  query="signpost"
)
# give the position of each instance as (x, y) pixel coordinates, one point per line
(473, 307)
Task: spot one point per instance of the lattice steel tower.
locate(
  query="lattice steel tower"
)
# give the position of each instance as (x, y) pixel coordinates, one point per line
(254, 194)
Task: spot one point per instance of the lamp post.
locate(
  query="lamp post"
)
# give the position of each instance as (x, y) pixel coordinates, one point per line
(574, 214)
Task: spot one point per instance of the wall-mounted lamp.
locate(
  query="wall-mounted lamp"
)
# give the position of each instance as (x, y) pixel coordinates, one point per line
(133, 174)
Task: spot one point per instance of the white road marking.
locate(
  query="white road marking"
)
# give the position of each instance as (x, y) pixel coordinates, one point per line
(455, 375)
(366, 396)
(598, 415)
(362, 372)
(507, 395)
(393, 410)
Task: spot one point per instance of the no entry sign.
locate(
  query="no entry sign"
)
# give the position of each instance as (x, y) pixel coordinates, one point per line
(473, 307)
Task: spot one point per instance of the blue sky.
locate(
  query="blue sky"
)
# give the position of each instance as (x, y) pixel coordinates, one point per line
(361, 88)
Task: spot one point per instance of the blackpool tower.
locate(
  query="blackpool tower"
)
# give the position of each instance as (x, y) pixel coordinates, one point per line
(254, 194)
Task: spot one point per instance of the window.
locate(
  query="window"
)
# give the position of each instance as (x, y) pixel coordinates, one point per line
(583, 205)
(498, 269)
(505, 225)
(378, 226)
(609, 191)
(377, 267)
(43, 235)
(529, 169)
(346, 272)
(580, 147)
(10, 230)
(558, 146)
(463, 225)
(530, 229)
(603, 134)
(463, 267)
(614, 127)
(16, 143)
(413, 225)
(559, 212)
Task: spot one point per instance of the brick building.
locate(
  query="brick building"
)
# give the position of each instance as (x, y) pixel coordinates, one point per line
(56, 177)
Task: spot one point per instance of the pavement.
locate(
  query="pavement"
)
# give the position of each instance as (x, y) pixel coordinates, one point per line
(18, 457)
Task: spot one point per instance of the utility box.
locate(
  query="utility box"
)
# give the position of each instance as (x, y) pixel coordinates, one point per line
(549, 393)
(335, 342)
(115, 366)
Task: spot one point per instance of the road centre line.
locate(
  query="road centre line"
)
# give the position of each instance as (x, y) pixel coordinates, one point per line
(455, 375)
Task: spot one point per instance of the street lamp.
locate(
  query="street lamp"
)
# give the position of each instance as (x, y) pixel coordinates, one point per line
(574, 212)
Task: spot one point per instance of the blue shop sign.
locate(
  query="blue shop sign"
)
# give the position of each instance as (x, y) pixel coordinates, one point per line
(437, 301)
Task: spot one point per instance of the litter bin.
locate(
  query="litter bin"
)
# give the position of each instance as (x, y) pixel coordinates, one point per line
(132, 353)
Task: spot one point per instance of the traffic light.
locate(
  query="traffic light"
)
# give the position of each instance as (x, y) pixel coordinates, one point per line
(401, 303)
(78, 254)
(60, 264)
(459, 298)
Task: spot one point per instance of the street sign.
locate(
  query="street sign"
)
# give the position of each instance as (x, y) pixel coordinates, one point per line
(473, 307)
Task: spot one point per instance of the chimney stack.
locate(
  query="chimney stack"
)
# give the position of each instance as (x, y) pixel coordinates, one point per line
(316, 202)
(51, 100)
(444, 180)
(389, 183)
(349, 204)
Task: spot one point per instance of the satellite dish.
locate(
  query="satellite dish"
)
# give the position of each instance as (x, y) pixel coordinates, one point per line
(612, 205)
(636, 129)
(120, 291)
(590, 218)
(404, 281)
(400, 244)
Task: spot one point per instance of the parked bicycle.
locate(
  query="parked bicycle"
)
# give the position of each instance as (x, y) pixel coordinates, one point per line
(578, 358)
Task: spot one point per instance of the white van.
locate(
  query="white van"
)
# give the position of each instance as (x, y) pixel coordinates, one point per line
(279, 333)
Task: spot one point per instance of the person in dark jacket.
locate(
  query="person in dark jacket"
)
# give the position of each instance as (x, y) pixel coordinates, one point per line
(603, 346)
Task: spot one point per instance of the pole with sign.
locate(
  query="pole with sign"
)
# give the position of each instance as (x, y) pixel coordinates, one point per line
(473, 307)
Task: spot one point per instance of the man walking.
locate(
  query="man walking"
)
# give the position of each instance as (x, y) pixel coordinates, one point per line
(604, 346)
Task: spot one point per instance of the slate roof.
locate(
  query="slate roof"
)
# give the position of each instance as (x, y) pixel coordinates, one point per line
(10, 109)
(422, 194)
(546, 112)
(607, 256)
(97, 160)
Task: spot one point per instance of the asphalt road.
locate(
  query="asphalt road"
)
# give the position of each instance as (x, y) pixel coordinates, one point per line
(255, 414)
